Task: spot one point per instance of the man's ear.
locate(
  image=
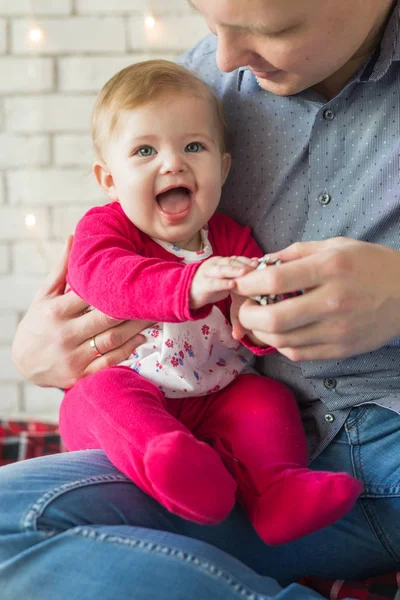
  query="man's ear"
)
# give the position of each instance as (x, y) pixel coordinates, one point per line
(105, 179)
(225, 166)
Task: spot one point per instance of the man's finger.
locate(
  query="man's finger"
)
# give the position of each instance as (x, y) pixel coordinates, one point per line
(302, 274)
(109, 335)
(303, 249)
(113, 358)
(305, 353)
(281, 317)
(309, 335)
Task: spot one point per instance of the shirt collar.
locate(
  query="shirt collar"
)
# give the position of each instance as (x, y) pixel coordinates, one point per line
(388, 51)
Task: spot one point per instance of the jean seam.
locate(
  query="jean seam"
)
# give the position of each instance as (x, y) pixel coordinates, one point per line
(194, 560)
(30, 517)
(357, 463)
(370, 515)
(358, 419)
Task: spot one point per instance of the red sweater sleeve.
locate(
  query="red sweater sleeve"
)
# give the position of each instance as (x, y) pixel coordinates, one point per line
(108, 270)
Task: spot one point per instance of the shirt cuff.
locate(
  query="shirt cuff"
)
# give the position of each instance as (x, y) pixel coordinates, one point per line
(257, 350)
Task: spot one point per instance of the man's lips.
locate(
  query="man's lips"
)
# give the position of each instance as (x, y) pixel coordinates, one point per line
(265, 74)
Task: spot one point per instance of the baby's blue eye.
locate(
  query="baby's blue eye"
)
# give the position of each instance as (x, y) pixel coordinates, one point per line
(145, 151)
(194, 147)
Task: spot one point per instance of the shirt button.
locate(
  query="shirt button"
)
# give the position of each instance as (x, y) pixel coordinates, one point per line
(330, 383)
(329, 418)
(324, 198)
(329, 115)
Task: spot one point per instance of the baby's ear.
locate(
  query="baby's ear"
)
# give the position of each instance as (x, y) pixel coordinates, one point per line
(105, 179)
(225, 166)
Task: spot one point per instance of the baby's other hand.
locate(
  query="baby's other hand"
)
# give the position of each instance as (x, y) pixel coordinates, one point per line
(215, 278)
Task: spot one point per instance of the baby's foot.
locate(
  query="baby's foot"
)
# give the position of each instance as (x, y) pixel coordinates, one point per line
(189, 478)
(301, 501)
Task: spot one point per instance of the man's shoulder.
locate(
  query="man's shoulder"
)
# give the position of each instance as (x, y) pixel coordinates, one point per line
(201, 60)
(201, 54)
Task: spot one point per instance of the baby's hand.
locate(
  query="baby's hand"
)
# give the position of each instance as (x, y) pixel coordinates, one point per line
(215, 278)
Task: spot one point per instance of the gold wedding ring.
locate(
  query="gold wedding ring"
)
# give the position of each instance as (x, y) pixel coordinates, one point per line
(92, 343)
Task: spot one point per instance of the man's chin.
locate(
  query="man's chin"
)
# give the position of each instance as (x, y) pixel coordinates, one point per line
(282, 88)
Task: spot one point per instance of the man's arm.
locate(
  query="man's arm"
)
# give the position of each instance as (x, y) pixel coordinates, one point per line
(51, 346)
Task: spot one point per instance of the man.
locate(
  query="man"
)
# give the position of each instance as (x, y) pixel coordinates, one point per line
(311, 94)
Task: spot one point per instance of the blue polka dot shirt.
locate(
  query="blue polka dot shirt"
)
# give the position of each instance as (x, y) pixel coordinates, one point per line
(307, 169)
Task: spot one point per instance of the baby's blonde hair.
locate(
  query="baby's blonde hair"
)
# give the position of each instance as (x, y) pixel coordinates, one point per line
(141, 83)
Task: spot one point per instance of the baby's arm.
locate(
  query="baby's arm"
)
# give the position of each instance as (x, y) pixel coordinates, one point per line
(107, 270)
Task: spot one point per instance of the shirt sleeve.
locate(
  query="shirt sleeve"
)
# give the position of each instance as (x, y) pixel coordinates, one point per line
(107, 272)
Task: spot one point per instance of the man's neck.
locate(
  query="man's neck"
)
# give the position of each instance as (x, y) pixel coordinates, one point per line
(332, 86)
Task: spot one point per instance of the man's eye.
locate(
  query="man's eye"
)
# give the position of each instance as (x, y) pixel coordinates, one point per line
(194, 147)
(145, 151)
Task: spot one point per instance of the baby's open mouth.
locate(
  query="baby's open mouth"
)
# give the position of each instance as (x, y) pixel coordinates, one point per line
(175, 200)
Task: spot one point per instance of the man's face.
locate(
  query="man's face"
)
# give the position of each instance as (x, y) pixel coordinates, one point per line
(291, 45)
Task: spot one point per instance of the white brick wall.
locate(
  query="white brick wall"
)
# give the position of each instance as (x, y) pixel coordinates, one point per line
(4, 263)
(73, 150)
(117, 7)
(70, 35)
(3, 36)
(48, 113)
(47, 90)
(89, 74)
(35, 7)
(169, 33)
(8, 325)
(9, 405)
(24, 151)
(52, 187)
(19, 75)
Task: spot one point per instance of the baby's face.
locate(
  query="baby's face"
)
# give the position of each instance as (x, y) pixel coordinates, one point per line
(166, 167)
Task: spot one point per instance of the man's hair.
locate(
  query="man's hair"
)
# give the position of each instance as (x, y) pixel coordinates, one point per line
(140, 83)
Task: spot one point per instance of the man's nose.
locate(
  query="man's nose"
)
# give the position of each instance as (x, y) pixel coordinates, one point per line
(233, 51)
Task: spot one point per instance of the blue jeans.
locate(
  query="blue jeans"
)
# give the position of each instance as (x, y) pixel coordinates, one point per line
(73, 527)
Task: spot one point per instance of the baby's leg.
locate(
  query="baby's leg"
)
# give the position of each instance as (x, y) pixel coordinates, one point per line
(125, 415)
(255, 425)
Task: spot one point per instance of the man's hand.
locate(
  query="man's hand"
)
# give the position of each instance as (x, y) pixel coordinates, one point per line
(238, 331)
(351, 303)
(215, 278)
(52, 348)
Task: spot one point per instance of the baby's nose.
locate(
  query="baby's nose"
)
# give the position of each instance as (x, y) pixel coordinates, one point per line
(173, 163)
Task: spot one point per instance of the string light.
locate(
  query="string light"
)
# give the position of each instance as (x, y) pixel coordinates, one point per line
(30, 221)
(150, 22)
(30, 224)
(36, 35)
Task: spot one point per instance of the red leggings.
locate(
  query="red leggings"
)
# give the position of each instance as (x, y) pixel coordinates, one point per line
(254, 443)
